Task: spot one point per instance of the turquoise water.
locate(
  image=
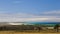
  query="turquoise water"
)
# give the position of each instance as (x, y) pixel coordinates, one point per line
(43, 23)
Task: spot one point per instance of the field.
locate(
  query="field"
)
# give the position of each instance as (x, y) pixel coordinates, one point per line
(12, 32)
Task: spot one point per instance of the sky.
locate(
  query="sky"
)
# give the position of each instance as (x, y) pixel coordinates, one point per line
(29, 10)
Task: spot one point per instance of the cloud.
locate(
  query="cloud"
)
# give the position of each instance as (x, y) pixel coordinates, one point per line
(19, 18)
(25, 17)
(36, 19)
(55, 12)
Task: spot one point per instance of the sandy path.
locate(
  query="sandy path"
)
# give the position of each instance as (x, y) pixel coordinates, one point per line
(25, 33)
(11, 32)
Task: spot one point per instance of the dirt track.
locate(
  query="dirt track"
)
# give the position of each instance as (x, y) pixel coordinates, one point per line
(29, 33)
(11, 32)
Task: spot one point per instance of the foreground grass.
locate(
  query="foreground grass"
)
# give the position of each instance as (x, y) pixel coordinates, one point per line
(37, 31)
(13, 32)
(30, 32)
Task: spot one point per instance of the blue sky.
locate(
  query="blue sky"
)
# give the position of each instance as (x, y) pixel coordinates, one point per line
(30, 10)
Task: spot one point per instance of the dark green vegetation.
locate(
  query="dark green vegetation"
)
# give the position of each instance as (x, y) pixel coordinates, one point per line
(20, 27)
(36, 27)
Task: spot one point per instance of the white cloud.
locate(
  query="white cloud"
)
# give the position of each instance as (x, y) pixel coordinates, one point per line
(15, 19)
(23, 17)
(55, 12)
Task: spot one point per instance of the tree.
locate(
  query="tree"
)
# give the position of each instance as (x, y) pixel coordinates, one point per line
(56, 27)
